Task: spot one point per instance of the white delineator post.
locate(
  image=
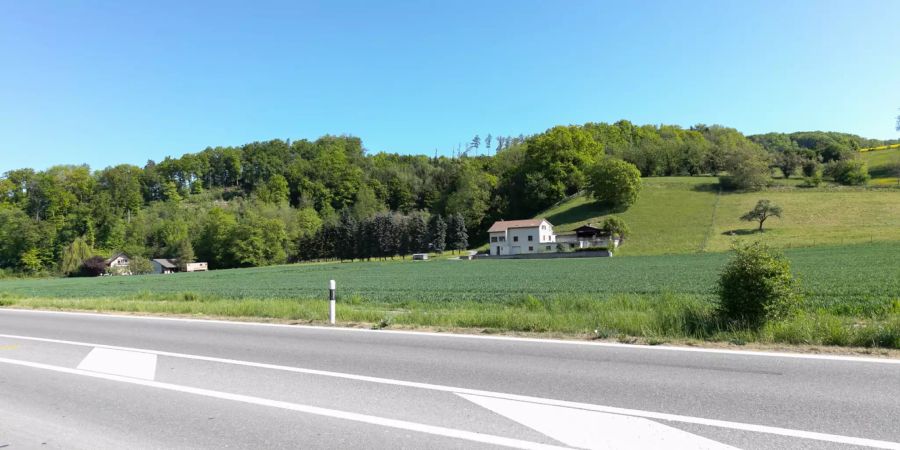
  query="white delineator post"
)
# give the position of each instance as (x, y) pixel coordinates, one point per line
(331, 300)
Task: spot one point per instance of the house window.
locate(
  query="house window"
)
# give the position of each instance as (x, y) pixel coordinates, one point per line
(493, 238)
(515, 239)
(530, 249)
(548, 247)
(502, 238)
(530, 238)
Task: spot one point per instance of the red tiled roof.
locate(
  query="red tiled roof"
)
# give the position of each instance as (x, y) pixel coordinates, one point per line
(503, 225)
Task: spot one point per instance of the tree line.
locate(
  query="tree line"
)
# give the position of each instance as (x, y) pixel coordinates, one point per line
(280, 201)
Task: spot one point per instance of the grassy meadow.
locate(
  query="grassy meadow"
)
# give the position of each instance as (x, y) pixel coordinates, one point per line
(688, 214)
(884, 166)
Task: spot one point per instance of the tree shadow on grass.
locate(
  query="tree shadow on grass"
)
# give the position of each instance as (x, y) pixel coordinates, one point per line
(743, 232)
(707, 187)
(885, 171)
(583, 212)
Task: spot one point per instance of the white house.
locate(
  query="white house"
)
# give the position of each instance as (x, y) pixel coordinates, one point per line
(514, 237)
(118, 264)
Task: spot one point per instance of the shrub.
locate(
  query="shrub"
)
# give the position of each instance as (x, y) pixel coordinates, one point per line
(614, 182)
(850, 172)
(592, 249)
(811, 167)
(93, 267)
(813, 181)
(757, 285)
(615, 226)
(140, 265)
(748, 169)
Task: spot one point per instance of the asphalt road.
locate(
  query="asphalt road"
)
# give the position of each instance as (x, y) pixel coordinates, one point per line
(95, 381)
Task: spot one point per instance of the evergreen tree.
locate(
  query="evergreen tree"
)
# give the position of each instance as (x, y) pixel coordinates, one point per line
(437, 233)
(417, 233)
(457, 235)
(346, 238)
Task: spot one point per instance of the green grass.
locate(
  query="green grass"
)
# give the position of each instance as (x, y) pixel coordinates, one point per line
(687, 214)
(884, 166)
(851, 292)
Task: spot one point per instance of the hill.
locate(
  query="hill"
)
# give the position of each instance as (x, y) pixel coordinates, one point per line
(884, 165)
(688, 214)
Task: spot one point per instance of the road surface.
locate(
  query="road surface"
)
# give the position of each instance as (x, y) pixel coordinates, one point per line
(71, 380)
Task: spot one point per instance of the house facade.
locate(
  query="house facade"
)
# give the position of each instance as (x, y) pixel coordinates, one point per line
(515, 237)
(118, 264)
(588, 236)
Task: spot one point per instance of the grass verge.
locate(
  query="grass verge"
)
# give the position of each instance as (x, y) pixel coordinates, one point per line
(652, 319)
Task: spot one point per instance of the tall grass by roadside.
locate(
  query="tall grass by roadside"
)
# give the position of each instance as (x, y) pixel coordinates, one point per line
(653, 318)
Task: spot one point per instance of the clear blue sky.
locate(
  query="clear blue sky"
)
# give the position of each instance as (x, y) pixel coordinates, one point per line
(106, 82)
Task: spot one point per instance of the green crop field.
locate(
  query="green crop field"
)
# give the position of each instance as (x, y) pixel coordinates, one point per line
(687, 214)
(851, 295)
(857, 279)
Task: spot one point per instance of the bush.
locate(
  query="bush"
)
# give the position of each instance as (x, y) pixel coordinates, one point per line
(93, 267)
(140, 265)
(757, 285)
(614, 182)
(748, 169)
(850, 172)
(813, 181)
(615, 226)
(811, 167)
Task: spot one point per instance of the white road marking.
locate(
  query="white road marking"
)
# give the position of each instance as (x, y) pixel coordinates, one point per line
(126, 363)
(362, 418)
(855, 359)
(457, 390)
(595, 430)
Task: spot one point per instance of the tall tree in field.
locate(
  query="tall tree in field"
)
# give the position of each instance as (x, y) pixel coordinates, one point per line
(487, 143)
(75, 254)
(437, 233)
(417, 233)
(762, 211)
(345, 246)
(614, 182)
(457, 235)
(476, 143)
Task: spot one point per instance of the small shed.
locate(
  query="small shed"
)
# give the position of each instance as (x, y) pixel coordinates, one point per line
(164, 265)
(420, 256)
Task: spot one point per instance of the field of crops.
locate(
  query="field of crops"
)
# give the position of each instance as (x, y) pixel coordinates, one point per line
(852, 280)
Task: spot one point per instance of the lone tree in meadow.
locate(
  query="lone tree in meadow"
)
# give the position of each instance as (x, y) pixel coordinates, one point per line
(762, 211)
(614, 182)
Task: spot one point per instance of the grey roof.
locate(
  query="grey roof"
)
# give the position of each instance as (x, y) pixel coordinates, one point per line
(167, 263)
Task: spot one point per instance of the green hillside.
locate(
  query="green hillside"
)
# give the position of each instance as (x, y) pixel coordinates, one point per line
(884, 166)
(688, 214)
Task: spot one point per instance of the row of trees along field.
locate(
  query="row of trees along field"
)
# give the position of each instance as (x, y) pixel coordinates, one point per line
(280, 201)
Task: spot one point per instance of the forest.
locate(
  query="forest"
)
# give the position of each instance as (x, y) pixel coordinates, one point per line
(282, 201)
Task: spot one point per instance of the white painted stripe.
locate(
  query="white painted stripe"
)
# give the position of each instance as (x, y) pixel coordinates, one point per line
(595, 430)
(333, 413)
(126, 363)
(663, 348)
(457, 390)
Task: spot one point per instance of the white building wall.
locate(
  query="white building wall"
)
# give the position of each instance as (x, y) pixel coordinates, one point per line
(515, 241)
